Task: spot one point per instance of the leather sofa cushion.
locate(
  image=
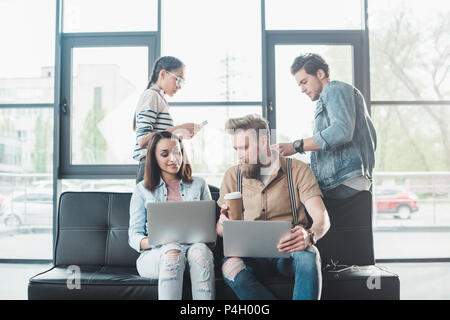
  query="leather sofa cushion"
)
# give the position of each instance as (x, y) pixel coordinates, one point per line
(98, 282)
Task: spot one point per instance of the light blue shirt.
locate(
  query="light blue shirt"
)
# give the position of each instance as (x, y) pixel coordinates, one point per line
(197, 190)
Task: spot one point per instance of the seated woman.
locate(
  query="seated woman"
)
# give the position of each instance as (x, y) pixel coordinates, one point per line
(168, 177)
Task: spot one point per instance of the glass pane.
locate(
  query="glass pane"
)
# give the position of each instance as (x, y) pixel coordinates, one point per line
(412, 138)
(210, 151)
(412, 181)
(110, 16)
(313, 15)
(105, 185)
(222, 56)
(294, 109)
(26, 193)
(27, 57)
(106, 84)
(409, 57)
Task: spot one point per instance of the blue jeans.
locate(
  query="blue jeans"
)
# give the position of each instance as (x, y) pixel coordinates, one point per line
(242, 275)
(159, 263)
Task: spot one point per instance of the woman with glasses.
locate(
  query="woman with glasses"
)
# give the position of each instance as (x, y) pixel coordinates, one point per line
(152, 111)
(168, 177)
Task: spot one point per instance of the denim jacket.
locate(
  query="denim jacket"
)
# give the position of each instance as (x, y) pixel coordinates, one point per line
(345, 134)
(197, 190)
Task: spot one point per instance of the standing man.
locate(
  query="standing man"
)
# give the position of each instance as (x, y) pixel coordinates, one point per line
(344, 141)
(266, 196)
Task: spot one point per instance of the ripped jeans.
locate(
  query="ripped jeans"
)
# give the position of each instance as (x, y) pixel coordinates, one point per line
(167, 264)
(243, 275)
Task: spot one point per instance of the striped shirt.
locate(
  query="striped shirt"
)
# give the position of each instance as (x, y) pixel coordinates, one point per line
(152, 114)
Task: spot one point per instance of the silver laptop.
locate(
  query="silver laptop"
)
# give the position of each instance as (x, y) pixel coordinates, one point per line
(258, 239)
(182, 222)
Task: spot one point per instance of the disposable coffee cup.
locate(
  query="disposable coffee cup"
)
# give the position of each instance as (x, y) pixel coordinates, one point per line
(234, 203)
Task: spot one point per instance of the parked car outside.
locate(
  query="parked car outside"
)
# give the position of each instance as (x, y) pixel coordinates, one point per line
(401, 202)
(31, 208)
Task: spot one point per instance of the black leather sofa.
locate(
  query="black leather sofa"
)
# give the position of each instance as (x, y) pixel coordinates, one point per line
(92, 236)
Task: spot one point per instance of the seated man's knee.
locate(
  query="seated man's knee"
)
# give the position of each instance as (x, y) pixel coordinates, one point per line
(307, 260)
(232, 267)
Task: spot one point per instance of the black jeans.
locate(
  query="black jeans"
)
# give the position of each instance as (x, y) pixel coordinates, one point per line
(140, 171)
(340, 192)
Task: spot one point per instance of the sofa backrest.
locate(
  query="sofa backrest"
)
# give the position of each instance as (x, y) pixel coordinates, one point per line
(350, 238)
(92, 229)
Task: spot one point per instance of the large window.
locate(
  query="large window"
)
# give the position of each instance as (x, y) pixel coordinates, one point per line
(102, 77)
(26, 183)
(102, 66)
(410, 88)
(27, 76)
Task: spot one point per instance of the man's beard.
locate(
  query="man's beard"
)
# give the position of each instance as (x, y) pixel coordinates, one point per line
(251, 171)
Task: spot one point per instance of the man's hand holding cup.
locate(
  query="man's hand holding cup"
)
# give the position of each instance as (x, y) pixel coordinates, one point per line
(231, 210)
(235, 208)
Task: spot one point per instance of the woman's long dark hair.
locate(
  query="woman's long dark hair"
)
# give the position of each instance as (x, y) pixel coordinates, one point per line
(167, 63)
(152, 174)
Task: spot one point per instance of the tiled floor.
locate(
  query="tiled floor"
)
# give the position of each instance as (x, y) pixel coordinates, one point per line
(420, 281)
(14, 279)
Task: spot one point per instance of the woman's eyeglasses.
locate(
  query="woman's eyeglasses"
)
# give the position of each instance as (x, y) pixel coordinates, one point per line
(179, 81)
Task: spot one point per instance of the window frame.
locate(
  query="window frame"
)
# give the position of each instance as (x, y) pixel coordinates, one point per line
(76, 40)
(354, 38)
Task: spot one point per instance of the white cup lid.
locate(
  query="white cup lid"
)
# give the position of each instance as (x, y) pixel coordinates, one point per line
(233, 195)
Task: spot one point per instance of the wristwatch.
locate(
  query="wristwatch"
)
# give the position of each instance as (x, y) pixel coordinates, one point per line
(298, 146)
(312, 237)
